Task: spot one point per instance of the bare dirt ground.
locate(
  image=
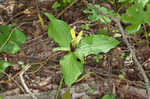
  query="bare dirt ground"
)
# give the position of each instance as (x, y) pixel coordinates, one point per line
(45, 75)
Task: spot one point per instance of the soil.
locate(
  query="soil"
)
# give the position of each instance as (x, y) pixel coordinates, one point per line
(45, 75)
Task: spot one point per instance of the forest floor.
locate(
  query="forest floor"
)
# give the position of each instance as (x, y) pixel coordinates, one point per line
(45, 75)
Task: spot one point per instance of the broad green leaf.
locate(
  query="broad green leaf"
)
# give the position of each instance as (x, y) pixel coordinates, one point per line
(11, 37)
(18, 37)
(11, 47)
(133, 28)
(71, 68)
(107, 96)
(134, 15)
(141, 2)
(147, 13)
(66, 95)
(95, 44)
(59, 31)
(6, 28)
(4, 65)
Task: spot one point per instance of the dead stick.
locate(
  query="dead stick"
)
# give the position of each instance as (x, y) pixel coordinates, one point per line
(117, 21)
(24, 84)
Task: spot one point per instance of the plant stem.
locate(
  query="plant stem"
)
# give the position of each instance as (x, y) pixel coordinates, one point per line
(60, 86)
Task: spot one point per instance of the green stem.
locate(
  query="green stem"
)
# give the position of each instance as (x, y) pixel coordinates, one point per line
(60, 86)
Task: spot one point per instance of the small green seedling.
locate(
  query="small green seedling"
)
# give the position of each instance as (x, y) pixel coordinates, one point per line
(85, 27)
(98, 58)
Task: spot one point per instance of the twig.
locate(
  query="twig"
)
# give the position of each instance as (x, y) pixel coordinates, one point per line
(117, 21)
(135, 58)
(42, 62)
(70, 5)
(24, 84)
(12, 80)
(19, 13)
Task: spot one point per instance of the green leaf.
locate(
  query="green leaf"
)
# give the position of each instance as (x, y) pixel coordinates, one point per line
(56, 4)
(122, 0)
(59, 31)
(11, 37)
(67, 1)
(95, 44)
(66, 95)
(147, 13)
(18, 37)
(11, 47)
(4, 65)
(107, 96)
(71, 68)
(133, 28)
(141, 2)
(94, 15)
(134, 15)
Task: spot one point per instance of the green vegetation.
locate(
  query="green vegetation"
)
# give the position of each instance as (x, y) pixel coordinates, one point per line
(77, 46)
(61, 4)
(10, 40)
(71, 67)
(107, 96)
(94, 15)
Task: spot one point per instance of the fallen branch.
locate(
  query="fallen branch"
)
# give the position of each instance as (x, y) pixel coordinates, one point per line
(24, 84)
(117, 21)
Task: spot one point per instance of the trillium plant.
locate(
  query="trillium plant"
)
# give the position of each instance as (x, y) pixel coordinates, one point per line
(77, 47)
